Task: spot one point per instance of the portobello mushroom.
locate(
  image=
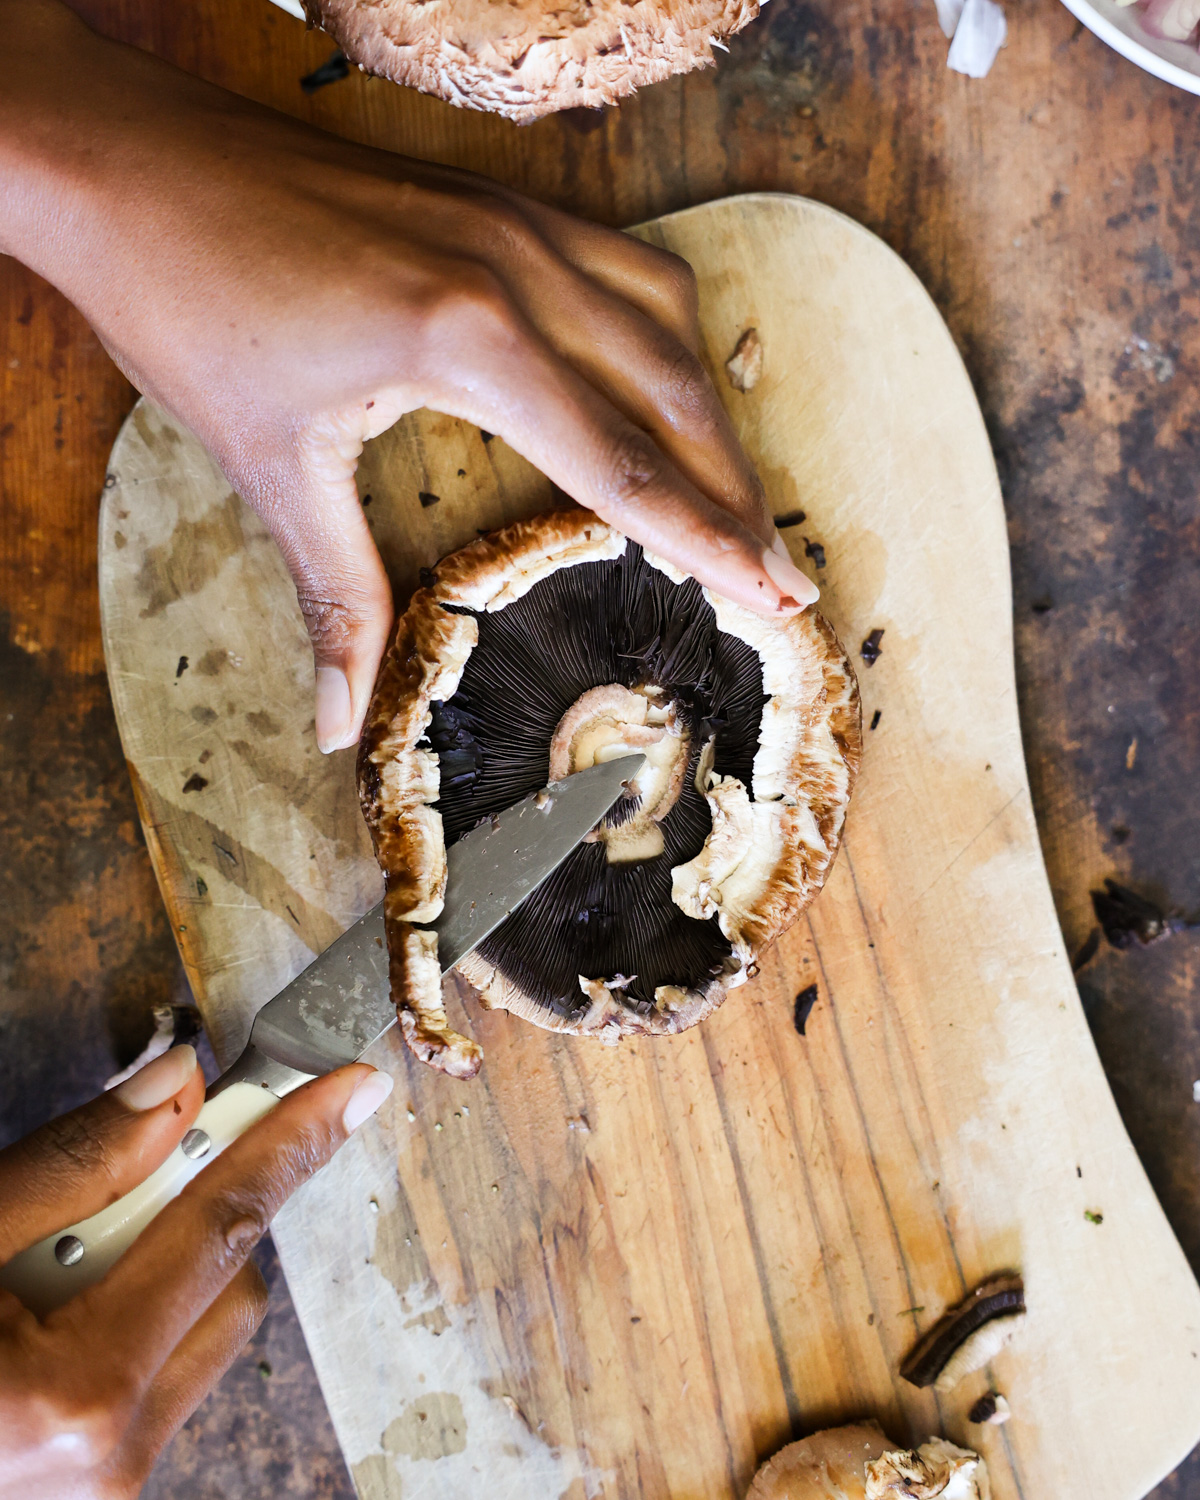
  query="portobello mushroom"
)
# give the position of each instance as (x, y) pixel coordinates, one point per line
(524, 60)
(539, 650)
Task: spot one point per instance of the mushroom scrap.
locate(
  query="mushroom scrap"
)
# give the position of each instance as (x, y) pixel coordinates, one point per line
(549, 647)
(969, 1335)
(527, 58)
(858, 1463)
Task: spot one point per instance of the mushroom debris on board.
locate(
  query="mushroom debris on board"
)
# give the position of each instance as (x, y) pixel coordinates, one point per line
(859, 1463)
(546, 648)
(525, 60)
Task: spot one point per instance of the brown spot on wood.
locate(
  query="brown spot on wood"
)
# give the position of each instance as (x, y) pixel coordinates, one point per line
(212, 662)
(195, 783)
(154, 427)
(375, 1478)
(191, 557)
(434, 1319)
(431, 1427)
(262, 723)
(196, 843)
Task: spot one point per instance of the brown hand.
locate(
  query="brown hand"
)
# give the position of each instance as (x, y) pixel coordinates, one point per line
(90, 1394)
(289, 295)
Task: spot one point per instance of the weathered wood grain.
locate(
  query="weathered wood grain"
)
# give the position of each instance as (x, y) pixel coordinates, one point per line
(634, 1273)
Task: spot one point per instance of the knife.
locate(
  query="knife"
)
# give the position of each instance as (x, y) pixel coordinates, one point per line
(330, 1014)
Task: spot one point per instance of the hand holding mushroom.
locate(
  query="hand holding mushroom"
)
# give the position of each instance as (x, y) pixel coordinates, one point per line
(289, 295)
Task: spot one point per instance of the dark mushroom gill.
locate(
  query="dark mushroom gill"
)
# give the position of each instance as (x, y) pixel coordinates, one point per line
(608, 622)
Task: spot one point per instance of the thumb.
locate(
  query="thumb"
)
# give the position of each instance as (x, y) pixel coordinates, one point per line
(342, 588)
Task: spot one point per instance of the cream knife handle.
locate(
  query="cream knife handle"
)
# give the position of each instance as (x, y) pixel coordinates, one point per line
(50, 1273)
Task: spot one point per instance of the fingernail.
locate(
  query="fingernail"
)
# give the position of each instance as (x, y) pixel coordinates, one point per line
(796, 588)
(158, 1081)
(333, 709)
(366, 1099)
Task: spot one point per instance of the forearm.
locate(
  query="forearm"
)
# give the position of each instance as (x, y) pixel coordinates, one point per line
(96, 138)
(49, 142)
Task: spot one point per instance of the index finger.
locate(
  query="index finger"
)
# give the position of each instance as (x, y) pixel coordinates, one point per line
(182, 1261)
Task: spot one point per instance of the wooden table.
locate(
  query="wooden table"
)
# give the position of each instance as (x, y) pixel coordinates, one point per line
(1053, 210)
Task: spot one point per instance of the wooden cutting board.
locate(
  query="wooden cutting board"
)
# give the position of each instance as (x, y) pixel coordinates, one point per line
(636, 1272)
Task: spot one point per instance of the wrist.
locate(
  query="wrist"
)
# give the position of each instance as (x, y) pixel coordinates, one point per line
(42, 134)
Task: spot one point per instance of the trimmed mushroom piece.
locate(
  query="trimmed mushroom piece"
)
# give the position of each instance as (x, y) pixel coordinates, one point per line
(937, 1470)
(991, 1409)
(829, 1465)
(969, 1335)
(555, 645)
(858, 1463)
(528, 60)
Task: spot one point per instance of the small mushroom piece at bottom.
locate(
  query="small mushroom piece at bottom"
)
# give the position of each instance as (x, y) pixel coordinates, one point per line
(937, 1470)
(859, 1463)
(991, 1409)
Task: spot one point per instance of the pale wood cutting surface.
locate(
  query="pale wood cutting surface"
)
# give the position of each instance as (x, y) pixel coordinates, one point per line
(637, 1272)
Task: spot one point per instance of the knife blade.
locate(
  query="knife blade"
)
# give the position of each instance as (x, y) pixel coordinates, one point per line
(330, 1013)
(333, 1010)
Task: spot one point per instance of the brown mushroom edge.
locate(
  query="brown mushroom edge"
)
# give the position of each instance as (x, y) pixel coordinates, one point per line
(969, 1335)
(527, 60)
(768, 847)
(859, 1463)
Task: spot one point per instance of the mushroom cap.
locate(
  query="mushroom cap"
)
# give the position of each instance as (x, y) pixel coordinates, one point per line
(829, 1465)
(525, 60)
(500, 656)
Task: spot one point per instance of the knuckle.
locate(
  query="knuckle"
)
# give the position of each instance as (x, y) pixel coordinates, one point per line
(84, 1428)
(331, 624)
(240, 1213)
(678, 282)
(497, 222)
(255, 1299)
(73, 1145)
(474, 300)
(687, 388)
(635, 466)
(238, 1217)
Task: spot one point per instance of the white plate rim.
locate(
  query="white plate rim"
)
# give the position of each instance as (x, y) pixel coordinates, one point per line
(1136, 51)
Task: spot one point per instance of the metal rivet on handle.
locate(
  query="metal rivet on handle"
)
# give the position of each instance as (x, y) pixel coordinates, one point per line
(69, 1250)
(195, 1144)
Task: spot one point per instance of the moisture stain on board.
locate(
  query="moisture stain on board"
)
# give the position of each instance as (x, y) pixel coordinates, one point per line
(262, 723)
(191, 557)
(375, 1478)
(433, 1427)
(213, 661)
